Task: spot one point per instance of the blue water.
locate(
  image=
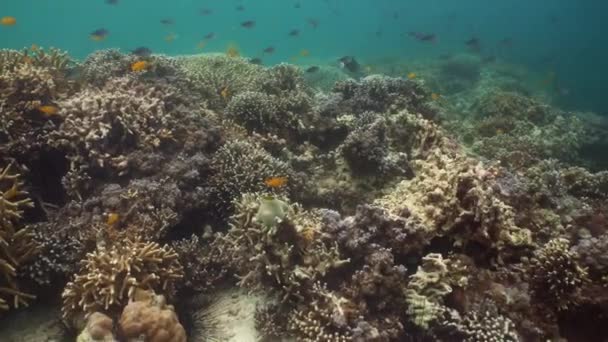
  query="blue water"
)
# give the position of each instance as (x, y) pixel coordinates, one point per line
(566, 37)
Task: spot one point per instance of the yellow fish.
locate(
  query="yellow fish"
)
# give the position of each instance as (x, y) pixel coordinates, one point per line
(8, 21)
(48, 110)
(275, 182)
(435, 96)
(411, 75)
(225, 92)
(232, 51)
(112, 219)
(304, 53)
(140, 66)
(201, 45)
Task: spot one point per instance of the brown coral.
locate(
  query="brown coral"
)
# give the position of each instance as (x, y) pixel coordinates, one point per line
(110, 276)
(151, 319)
(16, 245)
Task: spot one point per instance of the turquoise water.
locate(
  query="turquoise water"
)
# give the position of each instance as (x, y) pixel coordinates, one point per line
(566, 37)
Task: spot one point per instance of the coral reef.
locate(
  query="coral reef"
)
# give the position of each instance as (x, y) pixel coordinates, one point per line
(16, 245)
(110, 277)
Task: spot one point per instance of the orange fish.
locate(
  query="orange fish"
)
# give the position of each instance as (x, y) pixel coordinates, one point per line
(304, 53)
(201, 45)
(8, 21)
(112, 219)
(34, 48)
(435, 96)
(225, 92)
(170, 37)
(275, 182)
(48, 110)
(232, 51)
(411, 75)
(99, 35)
(140, 66)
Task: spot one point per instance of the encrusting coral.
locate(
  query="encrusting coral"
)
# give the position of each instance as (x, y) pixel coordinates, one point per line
(16, 245)
(110, 277)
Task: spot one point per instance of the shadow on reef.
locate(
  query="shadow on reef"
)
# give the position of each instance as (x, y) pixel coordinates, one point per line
(352, 212)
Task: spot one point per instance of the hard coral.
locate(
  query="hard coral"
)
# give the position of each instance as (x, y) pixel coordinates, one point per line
(16, 245)
(555, 275)
(110, 276)
(151, 319)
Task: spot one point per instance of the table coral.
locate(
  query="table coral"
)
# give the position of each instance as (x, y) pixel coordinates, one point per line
(110, 276)
(16, 245)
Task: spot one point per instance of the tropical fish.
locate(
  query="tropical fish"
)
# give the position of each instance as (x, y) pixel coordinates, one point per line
(48, 110)
(349, 63)
(112, 2)
(170, 37)
(99, 34)
(240, 8)
(297, 5)
(312, 69)
(269, 50)
(314, 23)
(304, 53)
(139, 66)
(34, 48)
(294, 33)
(209, 35)
(275, 182)
(423, 37)
(248, 24)
(167, 21)
(256, 61)
(201, 45)
(435, 96)
(411, 75)
(225, 93)
(232, 51)
(205, 11)
(8, 21)
(112, 219)
(474, 44)
(142, 51)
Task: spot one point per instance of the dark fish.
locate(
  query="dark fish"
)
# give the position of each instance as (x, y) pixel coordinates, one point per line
(349, 63)
(99, 34)
(269, 49)
(256, 61)
(395, 15)
(205, 11)
(248, 24)
(112, 2)
(240, 8)
(312, 69)
(294, 33)
(297, 5)
(378, 33)
(142, 51)
(209, 35)
(314, 23)
(474, 44)
(423, 37)
(167, 21)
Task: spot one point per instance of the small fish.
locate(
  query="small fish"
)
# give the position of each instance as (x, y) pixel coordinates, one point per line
(34, 48)
(201, 45)
(314, 23)
(256, 61)
(240, 8)
(205, 11)
(488, 59)
(99, 34)
(304, 53)
(248, 24)
(423, 37)
(269, 50)
(209, 35)
(225, 93)
(142, 51)
(112, 219)
(312, 69)
(411, 75)
(112, 2)
(167, 21)
(297, 5)
(48, 110)
(232, 51)
(170, 37)
(8, 21)
(435, 96)
(378, 33)
(474, 44)
(275, 182)
(140, 66)
(395, 15)
(349, 63)
(294, 33)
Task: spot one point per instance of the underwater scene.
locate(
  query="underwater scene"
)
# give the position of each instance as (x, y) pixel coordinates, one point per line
(303, 170)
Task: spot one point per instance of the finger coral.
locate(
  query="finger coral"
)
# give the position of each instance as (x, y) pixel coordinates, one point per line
(110, 277)
(16, 245)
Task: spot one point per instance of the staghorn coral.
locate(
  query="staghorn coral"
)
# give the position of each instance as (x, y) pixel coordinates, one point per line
(148, 317)
(16, 245)
(555, 275)
(482, 323)
(109, 277)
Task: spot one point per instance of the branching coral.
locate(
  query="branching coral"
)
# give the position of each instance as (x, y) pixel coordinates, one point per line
(555, 275)
(110, 277)
(16, 245)
(482, 323)
(203, 265)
